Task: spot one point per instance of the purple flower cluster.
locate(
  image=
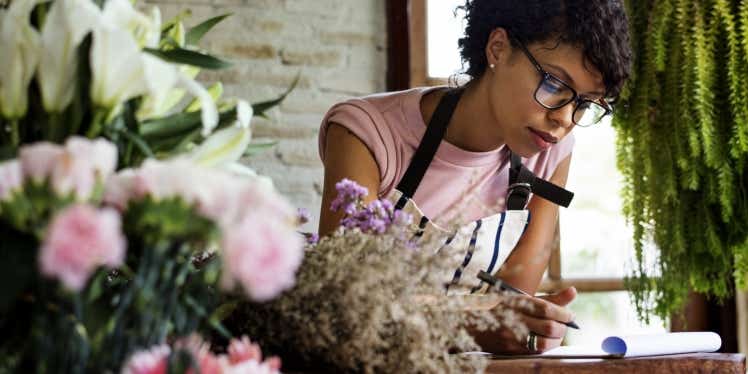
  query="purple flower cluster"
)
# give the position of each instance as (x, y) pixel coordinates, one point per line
(349, 196)
(375, 218)
(302, 215)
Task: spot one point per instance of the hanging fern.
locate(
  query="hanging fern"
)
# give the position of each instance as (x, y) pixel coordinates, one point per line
(682, 125)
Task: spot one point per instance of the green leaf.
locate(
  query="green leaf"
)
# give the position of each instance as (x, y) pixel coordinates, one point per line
(260, 108)
(196, 33)
(188, 57)
(170, 126)
(137, 141)
(224, 310)
(179, 124)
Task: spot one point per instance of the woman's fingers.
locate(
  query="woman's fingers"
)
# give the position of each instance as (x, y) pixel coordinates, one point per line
(540, 308)
(544, 343)
(545, 327)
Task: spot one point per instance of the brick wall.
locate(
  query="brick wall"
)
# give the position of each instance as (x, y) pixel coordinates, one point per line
(337, 47)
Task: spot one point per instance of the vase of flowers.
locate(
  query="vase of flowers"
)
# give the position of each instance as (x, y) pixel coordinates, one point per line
(125, 214)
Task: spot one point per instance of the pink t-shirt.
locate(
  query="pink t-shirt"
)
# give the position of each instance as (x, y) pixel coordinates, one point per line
(459, 185)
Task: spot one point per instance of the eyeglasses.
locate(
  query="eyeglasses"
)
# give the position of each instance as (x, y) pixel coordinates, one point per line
(553, 93)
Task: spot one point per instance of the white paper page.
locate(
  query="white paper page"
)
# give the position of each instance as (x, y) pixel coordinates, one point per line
(662, 344)
(575, 350)
(632, 346)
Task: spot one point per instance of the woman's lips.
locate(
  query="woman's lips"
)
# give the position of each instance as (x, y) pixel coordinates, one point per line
(542, 139)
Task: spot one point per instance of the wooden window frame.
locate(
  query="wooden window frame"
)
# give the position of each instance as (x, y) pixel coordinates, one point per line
(408, 67)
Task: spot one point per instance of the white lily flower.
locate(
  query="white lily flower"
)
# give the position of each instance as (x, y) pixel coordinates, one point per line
(222, 147)
(117, 67)
(146, 30)
(67, 22)
(209, 114)
(227, 145)
(153, 106)
(161, 77)
(244, 113)
(19, 56)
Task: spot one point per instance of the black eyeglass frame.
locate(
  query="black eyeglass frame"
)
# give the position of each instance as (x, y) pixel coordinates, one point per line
(574, 98)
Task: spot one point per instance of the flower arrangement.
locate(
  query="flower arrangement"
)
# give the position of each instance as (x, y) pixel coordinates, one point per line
(369, 298)
(125, 214)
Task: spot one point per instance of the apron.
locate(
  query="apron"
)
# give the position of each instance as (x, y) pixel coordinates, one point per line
(486, 243)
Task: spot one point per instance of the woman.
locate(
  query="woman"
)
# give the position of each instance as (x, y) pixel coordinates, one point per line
(538, 69)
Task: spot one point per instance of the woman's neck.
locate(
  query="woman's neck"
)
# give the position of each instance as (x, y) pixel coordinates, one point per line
(471, 127)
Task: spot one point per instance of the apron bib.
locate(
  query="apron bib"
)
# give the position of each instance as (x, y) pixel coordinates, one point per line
(483, 244)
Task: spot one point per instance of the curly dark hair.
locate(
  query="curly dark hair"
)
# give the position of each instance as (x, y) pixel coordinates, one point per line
(599, 27)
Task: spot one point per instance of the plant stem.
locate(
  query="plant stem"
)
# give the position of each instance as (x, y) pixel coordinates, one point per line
(55, 127)
(97, 122)
(15, 137)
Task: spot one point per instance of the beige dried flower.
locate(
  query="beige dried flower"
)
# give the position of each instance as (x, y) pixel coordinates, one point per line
(371, 303)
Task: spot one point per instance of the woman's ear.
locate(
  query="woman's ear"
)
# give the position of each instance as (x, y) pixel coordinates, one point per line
(498, 47)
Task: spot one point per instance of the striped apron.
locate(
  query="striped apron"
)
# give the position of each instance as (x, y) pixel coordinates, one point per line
(486, 243)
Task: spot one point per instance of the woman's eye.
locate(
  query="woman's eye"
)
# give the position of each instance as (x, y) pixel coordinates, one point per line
(552, 87)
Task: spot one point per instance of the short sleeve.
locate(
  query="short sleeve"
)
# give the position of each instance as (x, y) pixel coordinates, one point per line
(368, 124)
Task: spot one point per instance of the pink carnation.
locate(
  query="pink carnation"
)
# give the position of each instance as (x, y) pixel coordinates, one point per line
(38, 160)
(243, 349)
(100, 153)
(118, 188)
(262, 254)
(84, 163)
(253, 367)
(79, 239)
(153, 361)
(10, 178)
(76, 167)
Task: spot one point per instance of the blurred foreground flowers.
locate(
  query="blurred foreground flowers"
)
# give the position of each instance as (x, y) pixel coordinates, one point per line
(125, 213)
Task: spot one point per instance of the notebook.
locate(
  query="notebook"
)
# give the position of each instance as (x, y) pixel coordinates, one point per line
(629, 346)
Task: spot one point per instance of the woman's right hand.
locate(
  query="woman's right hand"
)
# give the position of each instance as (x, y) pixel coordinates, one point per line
(541, 315)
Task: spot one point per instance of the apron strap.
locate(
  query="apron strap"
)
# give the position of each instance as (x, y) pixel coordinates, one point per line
(429, 144)
(522, 182)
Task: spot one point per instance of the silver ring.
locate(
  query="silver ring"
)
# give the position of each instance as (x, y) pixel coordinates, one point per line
(532, 341)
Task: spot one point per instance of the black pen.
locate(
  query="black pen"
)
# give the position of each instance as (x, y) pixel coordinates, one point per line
(496, 282)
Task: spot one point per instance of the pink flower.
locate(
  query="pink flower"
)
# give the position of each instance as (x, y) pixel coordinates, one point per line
(38, 160)
(262, 254)
(253, 367)
(100, 154)
(73, 174)
(10, 178)
(243, 349)
(79, 239)
(153, 361)
(76, 167)
(118, 188)
(83, 164)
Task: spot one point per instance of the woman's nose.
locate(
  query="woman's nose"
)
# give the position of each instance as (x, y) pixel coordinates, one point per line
(563, 116)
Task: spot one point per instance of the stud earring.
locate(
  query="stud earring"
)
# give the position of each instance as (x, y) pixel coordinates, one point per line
(492, 66)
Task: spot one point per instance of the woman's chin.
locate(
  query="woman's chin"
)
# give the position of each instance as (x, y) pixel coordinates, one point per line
(524, 150)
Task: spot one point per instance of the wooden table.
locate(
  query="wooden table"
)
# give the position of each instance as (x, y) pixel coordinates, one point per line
(722, 363)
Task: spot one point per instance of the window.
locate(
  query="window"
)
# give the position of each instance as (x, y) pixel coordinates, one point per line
(595, 245)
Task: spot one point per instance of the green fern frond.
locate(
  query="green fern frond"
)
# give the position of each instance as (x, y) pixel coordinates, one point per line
(683, 150)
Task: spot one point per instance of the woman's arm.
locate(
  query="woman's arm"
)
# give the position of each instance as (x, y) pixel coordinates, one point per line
(346, 156)
(525, 266)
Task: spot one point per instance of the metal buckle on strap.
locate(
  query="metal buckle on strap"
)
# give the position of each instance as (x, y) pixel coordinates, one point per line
(526, 186)
(523, 189)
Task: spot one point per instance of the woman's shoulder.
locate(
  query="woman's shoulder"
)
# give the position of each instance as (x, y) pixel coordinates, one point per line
(382, 102)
